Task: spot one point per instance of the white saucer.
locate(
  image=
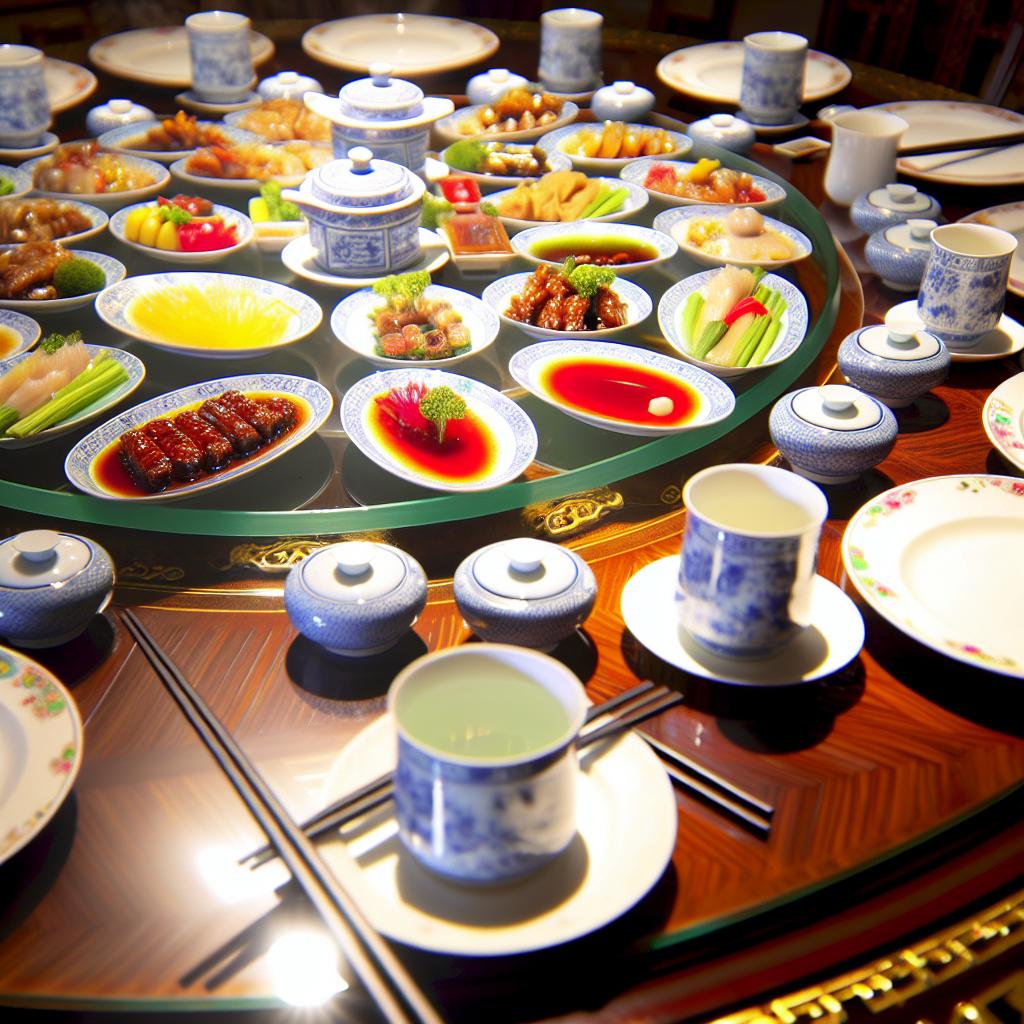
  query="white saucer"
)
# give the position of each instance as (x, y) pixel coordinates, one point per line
(48, 145)
(626, 832)
(834, 638)
(575, 97)
(1005, 340)
(190, 101)
(298, 257)
(768, 130)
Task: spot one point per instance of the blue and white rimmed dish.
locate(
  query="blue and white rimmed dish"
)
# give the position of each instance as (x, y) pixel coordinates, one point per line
(352, 324)
(136, 371)
(633, 203)
(97, 220)
(110, 200)
(449, 128)
(492, 182)
(113, 270)
(513, 432)
(250, 185)
(792, 324)
(120, 140)
(556, 141)
(637, 302)
(80, 465)
(524, 241)
(675, 224)
(231, 218)
(26, 330)
(716, 399)
(19, 179)
(112, 308)
(636, 172)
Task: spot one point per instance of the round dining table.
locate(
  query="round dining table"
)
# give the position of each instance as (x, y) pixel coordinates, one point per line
(872, 869)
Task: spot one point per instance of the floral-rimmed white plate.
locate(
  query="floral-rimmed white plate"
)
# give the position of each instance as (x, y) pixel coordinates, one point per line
(80, 466)
(705, 399)
(942, 559)
(636, 172)
(524, 241)
(25, 329)
(508, 431)
(67, 84)
(136, 371)
(121, 139)
(159, 177)
(97, 220)
(1003, 419)
(638, 305)
(450, 129)
(113, 270)
(636, 199)
(792, 324)
(352, 323)
(41, 736)
(232, 218)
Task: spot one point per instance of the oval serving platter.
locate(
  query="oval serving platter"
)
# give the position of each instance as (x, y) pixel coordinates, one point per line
(109, 200)
(80, 464)
(636, 171)
(635, 200)
(97, 220)
(558, 140)
(113, 270)
(120, 139)
(232, 218)
(449, 128)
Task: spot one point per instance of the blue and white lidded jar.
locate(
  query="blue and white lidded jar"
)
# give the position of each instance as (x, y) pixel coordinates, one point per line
(724, 131)
(287, 85)
(115, 113)
(897, 361)
(622, 101)
(894, 204)
(899, 254)
(832, 434)
(390, 116)
(364, 215)
(527, 592)
(356, 598)
(490, 86)
(51, 586)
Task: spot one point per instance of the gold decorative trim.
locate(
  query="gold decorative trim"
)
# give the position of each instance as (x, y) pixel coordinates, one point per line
(569, 515)
(138, 572)
(893, 980)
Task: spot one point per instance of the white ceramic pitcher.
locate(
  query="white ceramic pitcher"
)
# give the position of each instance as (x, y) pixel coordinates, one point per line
(863, 154)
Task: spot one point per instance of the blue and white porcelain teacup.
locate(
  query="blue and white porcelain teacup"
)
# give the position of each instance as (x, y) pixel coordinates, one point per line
(771, 89)
(218, 43)
(570, 49)
(485, 788)
(24, 105)
(964, 286)
(749, 557)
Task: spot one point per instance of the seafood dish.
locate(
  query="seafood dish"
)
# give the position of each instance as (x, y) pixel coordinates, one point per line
(742, 236)
(616, 140)
(44, 220)
(256, 160)
(504, 159)
(187, 224)
(561, 196)
(518, 110)
(569, 299)
(38, 271)
(704, 182)
(283, 120)
(178, 133)
(80, 168)
(411, 326)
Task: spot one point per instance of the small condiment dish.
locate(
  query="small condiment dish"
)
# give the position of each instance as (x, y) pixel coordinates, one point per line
(578, 235)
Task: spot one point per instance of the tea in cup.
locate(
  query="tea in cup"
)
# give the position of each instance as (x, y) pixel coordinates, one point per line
(772, 86)
(964, 285)
(218, 42)
(749, 557)
(24, 104)
(485, 788)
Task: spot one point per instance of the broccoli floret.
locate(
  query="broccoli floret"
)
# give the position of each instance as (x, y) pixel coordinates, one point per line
(440, 405)
(174, 214)
(54, 341)
(402, 290)
(436, 210)
(78, 276)
(466, 154)
(278, 208)
(588, 280)
(488, 208)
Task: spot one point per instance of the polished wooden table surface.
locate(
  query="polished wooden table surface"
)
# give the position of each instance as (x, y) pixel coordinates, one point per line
(892, 780)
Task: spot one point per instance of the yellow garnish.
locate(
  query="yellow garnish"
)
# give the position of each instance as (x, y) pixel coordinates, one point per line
(701, 171)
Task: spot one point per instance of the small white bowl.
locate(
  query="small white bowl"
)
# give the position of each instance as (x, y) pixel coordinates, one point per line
(447, 128)
(635, 201)
(97, 217)
(110, 200)
(27, 330)
(271, 236)
(556, 141)
(21, 181)
(636, 171)
(637, 302)
(241, 223)
(673, 223)
(667, 248)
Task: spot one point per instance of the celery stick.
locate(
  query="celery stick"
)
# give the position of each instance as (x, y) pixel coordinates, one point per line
(599, 198)
(765, 345)
(7, 417)
(86, 388)
(710, 337)
(610, 203)
(694, 304)
(753, 337)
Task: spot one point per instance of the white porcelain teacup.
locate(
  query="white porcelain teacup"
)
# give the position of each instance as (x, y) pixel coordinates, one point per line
(222, 70)
(485, 788)
(863, 154)
(24, 104)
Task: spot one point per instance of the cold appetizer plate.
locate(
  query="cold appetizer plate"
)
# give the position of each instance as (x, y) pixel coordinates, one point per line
(621, 388)
(67, 84)
(625, 814)
(125, 383)
(18, 333)
(626, 248)
(1009, 217)
(705, 182)
(42, 734)
(937, 557)
(413, 44)
(251, 185)
(742, 237)
(525, 295)
(714, 71)
(1003, 418)
(156, 237)
(607, 148)
(491, 443)
(730, 323)
(14, 182)
(159, 56)
(113, 272)
(148, 140)
(499, 165)
(465, 124)
(198, 437)
(445, 326)
(221, 316)
(545, 209)
(144, 178)
(35, 219)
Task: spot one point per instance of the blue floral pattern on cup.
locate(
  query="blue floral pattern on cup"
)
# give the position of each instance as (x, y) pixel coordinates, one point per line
(222, 68)
(24, 104)
(771, 88)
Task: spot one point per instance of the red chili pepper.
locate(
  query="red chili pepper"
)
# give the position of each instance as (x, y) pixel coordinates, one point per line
(460, 190)
(206, 235)
(742, 308)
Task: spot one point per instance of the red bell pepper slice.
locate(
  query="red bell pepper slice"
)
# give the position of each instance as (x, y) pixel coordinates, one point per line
(742, 308)
(460, 190)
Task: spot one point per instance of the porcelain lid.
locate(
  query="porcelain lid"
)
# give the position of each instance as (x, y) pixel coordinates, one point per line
(354, 572)
(39, 558)
(360, 181)
(900, 337)
(837, 407)
(290, 83)
(380, 97)
(525, 569)
(900, 199)
(914, 234)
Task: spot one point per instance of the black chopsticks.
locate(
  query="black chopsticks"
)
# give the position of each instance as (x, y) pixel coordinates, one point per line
(385, 978)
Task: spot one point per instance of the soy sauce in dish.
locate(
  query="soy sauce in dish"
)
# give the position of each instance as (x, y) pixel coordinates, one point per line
(611, 250)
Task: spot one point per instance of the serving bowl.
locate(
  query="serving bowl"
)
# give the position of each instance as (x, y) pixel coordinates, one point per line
(448, 128)
(109, 200)
(558, 140)
(114, 271)
(635, 201)
(635, 172)
(524, 242)
(492, 182)
(119, 140)
(97, 219)
(241, 223)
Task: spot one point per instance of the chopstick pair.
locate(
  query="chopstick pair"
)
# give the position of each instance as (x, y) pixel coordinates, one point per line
(386, 980)
(955, 145)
